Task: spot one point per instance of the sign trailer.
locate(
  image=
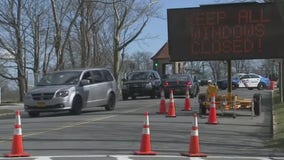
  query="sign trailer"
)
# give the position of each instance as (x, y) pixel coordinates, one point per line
(226, 32)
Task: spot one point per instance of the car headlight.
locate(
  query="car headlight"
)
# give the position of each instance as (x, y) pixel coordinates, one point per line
(149, 85)
(62, 93)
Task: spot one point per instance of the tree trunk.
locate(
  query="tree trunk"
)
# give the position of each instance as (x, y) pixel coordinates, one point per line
(116, 57)
(21, 69)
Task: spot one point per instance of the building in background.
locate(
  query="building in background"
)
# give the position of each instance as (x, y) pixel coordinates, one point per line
(162, 63)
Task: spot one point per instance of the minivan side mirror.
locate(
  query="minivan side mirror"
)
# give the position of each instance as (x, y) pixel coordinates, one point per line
(84, 82)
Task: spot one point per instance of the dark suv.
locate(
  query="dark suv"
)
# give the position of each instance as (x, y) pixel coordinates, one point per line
(141, 83)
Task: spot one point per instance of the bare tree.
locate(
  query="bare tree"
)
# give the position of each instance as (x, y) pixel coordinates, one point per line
(129, 19)
(11, 40)
(60, 40)
(37, 40)
(218, 69)
(142, 60)
(240, 65)
(92, 16)
(96, 32)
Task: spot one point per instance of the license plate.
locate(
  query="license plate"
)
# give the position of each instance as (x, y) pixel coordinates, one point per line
(41, 104)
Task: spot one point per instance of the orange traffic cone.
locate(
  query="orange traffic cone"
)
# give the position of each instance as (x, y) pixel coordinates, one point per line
(187, 106)
(212, 119)
(17, 147)
(194, 148)
(145, 148)
(162, 103)
(172, 107)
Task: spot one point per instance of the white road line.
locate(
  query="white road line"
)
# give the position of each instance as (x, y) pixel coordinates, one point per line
(121, 157)
(42, 158)
(71, 125)
(196, 158)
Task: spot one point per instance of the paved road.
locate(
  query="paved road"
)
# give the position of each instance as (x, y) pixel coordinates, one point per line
(97, 134)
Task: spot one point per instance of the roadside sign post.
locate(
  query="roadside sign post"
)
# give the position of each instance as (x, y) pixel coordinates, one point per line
(0, 95)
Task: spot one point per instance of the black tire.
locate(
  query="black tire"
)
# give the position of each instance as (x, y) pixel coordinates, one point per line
(223, 87)
(202, 108)
(133, 97)
(124, 97)
(110, 102)
(153, 94)
(33, 114)
(76, 106)
(261, 86)
(234, 86)
(257, 104)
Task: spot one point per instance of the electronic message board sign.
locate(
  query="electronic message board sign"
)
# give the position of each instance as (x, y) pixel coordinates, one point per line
(226, 32)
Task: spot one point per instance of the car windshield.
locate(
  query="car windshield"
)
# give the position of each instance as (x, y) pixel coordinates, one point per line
(60, 78)
(179, 77)
(138, 76)
(238, 75)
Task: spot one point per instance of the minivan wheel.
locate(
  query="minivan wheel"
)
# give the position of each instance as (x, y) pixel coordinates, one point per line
(124, 97)
(33, 114)
(110, 102)
(76, 106)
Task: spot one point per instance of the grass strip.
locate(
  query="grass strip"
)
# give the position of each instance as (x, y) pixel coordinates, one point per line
(278, 141)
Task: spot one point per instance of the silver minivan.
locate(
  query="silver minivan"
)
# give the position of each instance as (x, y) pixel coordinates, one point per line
(72, 90)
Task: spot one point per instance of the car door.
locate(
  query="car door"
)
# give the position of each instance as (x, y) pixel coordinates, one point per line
(241, 84)
(245, 81)
(99, 88)
(156, 80)
(254, 80)
(89, 94)
(250, 80)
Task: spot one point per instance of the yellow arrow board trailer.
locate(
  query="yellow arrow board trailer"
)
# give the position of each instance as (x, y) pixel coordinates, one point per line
(228, 101)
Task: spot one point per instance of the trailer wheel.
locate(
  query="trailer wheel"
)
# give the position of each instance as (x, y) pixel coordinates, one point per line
(257, 104)
(202, 107)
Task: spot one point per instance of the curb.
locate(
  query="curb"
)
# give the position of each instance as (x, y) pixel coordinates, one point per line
(273, 120)
(10, 108)
(6, 114)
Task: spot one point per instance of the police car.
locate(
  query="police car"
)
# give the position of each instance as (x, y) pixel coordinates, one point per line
(253, 80)
(236, 82)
